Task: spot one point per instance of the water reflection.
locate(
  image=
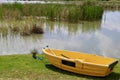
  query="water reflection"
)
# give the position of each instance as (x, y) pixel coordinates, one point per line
(73, 28)
(89, 27)
(98, 37)
(17, 44)
(108, 38)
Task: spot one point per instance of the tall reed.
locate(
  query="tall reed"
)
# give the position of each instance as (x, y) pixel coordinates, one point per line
(92, 12)
(75, 14)
(67, 12)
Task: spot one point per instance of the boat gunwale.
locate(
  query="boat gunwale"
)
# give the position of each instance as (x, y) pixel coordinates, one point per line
(93, 64)
(73, 60)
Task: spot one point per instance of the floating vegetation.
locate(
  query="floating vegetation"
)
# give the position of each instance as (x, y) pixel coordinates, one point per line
(37, 29)
(15, 29)
(3, 31)
(26, 31)
(25, 28)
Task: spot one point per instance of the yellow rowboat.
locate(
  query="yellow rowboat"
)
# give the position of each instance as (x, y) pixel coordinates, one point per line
(82, 63)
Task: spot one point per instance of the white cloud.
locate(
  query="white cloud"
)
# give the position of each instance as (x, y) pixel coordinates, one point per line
(111, 20)
(106, 45)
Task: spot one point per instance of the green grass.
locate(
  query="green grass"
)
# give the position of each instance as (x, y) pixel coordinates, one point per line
(92, 13)
(24, 67)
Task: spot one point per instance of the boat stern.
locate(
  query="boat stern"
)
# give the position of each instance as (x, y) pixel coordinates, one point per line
(112, 65)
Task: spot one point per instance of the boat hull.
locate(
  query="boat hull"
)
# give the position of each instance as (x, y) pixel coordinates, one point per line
(81, 66)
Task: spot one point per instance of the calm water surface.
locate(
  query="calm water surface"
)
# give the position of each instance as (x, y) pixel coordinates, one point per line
(98, 37)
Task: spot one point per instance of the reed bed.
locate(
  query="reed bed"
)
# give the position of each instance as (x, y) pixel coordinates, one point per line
(24, 27)
(92, 13)
(20, 14)
(66, 12)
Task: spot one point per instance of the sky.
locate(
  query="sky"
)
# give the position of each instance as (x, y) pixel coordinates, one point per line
(5, 0)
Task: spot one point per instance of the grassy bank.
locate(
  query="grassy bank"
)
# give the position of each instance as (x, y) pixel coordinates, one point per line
(24, 67)
(61, 12)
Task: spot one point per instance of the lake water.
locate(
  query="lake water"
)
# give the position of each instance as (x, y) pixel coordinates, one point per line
(98, 37)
